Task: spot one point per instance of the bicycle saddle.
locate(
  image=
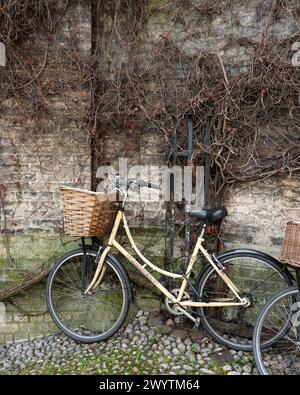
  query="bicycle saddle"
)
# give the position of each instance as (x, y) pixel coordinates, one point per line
(211, 215)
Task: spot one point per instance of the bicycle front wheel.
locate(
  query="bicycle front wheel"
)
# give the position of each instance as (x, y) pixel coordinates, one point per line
(95, 316)
(256, 278)
(279, 318)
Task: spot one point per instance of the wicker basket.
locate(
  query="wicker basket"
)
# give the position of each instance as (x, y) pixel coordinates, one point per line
(290, 251)
(86, 213)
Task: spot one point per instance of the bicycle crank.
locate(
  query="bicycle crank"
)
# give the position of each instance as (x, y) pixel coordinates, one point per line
(171, 306)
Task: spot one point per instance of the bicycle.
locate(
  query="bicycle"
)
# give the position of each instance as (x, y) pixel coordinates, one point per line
(280, 318)
(88, 291)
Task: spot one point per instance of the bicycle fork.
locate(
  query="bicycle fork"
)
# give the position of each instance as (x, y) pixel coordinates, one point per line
(101, 268)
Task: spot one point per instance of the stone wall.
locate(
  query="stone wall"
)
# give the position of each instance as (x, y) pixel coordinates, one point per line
(27, 318)
(258, 213)
(38, 153)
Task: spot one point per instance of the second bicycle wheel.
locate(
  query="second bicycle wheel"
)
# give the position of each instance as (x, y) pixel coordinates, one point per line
(257, 278)
(97, 315)
(280, 318)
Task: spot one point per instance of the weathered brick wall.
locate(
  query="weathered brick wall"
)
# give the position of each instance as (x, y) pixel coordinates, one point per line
(37, 155)
(258, 213)
(28, 318)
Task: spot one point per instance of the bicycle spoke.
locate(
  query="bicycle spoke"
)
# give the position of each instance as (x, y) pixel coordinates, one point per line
(255, 290)
(91, 315)
(233, 325)
(284, 356)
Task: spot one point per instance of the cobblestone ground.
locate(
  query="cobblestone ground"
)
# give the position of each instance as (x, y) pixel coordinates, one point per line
(147, 346)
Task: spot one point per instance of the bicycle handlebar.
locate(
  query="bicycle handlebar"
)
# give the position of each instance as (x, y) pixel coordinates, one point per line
(140, 183)
(145, 184)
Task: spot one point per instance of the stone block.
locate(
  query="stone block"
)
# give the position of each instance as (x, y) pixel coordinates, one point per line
(20, 318)
(8, 339)
(37, 318)
(3, 318)
(8, 328)
(21, 336)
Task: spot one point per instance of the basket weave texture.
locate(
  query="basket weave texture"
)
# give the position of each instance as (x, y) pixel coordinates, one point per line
(290, 250)
(86, 213)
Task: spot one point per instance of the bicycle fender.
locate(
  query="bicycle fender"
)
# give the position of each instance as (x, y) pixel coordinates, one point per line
(255, 253)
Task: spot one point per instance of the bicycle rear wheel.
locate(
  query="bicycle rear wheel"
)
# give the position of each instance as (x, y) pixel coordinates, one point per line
(279, 318)
(92, 317)
(257, 278)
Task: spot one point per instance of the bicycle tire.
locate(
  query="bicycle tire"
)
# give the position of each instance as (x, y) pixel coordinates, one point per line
(126, 289)
(257, 346)
(204, 311)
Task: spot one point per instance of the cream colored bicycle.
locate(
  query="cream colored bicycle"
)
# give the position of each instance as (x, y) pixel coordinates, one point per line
(88, 291)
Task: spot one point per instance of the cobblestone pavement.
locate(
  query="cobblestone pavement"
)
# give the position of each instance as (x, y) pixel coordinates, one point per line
(147, 346)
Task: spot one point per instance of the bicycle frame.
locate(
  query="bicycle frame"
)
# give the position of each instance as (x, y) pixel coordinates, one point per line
(181, 305)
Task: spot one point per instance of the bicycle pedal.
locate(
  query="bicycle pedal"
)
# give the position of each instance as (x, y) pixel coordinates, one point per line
(197, 323)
